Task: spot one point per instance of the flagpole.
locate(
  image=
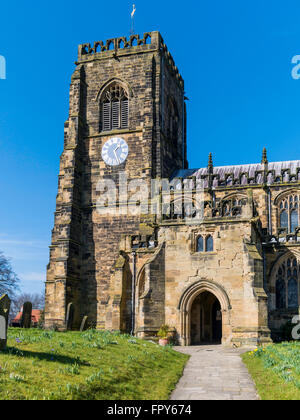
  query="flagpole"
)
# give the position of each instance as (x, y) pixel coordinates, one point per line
(132, 26)
(132, 20)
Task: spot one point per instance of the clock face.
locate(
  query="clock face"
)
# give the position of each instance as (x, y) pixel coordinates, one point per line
(115, 151)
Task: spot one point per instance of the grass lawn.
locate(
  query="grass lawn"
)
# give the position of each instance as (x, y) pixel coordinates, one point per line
(276, 371)
(90, 365)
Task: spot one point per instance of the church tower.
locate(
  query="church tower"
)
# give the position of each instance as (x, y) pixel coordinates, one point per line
(127, 115)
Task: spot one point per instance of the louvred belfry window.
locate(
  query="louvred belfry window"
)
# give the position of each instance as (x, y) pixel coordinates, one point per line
(114, 108)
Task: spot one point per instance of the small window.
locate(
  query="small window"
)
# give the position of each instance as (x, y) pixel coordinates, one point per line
(200, 244)
(209, 244)
(204, 244)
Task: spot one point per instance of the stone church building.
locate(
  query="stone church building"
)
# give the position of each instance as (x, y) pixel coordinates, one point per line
(231, 277)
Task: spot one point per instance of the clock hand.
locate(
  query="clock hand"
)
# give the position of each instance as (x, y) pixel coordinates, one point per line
(116, 156)
(117, 148)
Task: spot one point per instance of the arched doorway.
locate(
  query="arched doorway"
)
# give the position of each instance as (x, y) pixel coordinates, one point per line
(206, 320)
(205, 314)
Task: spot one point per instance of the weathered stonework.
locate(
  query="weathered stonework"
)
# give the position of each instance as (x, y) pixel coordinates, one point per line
(104, 265)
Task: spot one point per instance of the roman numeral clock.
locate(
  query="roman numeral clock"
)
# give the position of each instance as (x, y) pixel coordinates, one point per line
(115, 151)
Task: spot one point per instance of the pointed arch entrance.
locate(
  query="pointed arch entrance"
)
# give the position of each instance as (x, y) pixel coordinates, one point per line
(206, 320)
(205, 314)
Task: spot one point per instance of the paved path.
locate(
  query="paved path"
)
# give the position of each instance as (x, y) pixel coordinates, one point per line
(214, 373)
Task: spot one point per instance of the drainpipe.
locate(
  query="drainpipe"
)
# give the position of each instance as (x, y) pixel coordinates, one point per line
(133, 294)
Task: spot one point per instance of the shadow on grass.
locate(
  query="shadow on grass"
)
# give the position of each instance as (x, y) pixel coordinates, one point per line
(119, 388)
(49, 357)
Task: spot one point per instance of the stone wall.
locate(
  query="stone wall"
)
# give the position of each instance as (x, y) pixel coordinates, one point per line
(235, 267)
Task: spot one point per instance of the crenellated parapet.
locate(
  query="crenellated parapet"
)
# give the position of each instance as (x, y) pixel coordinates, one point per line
(135, 44)
(116, 44)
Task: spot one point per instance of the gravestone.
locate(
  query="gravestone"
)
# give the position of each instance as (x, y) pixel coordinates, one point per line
(70, 316)
(4, 313)
(83, 325)
(26, 315)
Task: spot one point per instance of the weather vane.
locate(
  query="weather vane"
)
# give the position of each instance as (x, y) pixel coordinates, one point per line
(132, 20)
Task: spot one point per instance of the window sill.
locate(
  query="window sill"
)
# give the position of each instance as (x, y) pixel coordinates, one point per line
(203, 253)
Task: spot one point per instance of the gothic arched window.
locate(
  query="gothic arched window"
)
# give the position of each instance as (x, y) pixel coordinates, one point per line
(200, 244)
(289, 213)
(114, 108)
(209, 244)
(287, 285)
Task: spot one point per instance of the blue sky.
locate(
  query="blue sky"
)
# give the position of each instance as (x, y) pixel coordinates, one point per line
(234, 55)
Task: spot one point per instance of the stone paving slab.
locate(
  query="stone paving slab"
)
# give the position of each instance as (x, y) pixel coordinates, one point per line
(214, 373)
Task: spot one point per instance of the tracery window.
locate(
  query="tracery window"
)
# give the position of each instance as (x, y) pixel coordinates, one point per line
(289, 213)
(114, 108)
(287, 285)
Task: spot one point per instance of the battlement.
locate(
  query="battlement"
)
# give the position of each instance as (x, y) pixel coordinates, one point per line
(117, 47)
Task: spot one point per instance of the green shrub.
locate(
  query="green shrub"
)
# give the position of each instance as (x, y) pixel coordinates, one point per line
(163, 332)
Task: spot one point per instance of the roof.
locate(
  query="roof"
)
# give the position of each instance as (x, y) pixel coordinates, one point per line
(35, 316)
(287, 171)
